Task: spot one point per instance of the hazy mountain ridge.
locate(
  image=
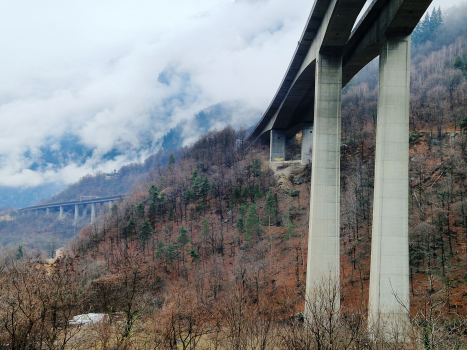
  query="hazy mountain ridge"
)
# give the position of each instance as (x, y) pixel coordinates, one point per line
(70, 151)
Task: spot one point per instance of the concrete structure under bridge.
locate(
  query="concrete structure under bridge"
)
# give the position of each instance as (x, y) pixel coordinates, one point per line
(72, 207)
(332, 49)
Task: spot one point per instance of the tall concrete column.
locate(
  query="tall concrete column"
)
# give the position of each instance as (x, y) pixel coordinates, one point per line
(61, 212)
(110, 204)
(47, 211)
(277, 145)
(93, 212)
(323, 238)
(389, 271)
(307, 143)
(76, 213)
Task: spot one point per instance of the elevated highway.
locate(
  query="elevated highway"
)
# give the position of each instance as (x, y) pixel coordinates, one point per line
(329, 30)
(62, 207)
(332, 49)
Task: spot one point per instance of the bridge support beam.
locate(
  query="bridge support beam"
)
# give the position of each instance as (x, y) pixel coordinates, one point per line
(307, 143)
(389, 272)
(76, 213)
(323, 238)
(61, 212)
(47, 211)
(93, 212)
(277, 145)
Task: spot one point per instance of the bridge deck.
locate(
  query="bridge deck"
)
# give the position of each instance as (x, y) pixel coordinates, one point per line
(71, 203)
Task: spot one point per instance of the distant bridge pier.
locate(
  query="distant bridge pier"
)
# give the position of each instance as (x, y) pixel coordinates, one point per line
(61, 212)
(76, 213)
(110, 204)
(307, 143)
(277, 145)
(47, 211)
(389, 272)
(93, 212)
(323, 238)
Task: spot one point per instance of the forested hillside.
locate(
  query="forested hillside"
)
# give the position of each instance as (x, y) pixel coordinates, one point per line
(208, 249)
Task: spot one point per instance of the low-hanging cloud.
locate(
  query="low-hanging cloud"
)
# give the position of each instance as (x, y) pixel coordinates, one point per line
(86, 84)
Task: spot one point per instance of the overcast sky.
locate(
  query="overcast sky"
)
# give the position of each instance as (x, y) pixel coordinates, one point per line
(90, 70)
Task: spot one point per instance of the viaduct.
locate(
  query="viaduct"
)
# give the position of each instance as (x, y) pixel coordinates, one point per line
(332, 49)
(62, 207)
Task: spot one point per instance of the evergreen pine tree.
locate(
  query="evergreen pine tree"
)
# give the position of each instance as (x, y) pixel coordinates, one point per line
(256, 167)
(194, 255)
(171, 213)
(19, 253)
(130, 228)
(153, 193)
(459, 63)
(236, 195)
(439, 17)
(204, 188)
(205, 230)
(145, 233)
(194, 175)
(160, 252)
(422, 31)
(140, 210)
(270, 208)
(245, 193)
(257, 194)
(213, 188)
(433, 20)
(161, 204)
(171, 159)
(196, 186)
(290, 230)
(171, 253)
(189, 195)
(243, 210)
(252, 223)
(152, 210)
(463, 125)
(240, 226)
(183, 239)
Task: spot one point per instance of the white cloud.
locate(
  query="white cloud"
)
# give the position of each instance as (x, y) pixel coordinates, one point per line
(91, 68)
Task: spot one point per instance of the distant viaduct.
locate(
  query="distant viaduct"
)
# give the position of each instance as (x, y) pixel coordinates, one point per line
(63, 207)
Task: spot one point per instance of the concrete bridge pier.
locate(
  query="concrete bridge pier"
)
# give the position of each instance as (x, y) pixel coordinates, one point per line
(323, 238)
(76, 213)
(93, 212)
(307, 143)
(61, 212)
(277, 145)
(389, 271)
(47, 211)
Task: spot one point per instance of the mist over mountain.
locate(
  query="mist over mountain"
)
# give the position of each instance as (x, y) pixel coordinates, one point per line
(69, 153)
(92, 90)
